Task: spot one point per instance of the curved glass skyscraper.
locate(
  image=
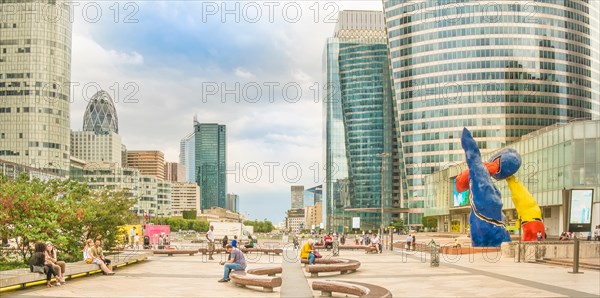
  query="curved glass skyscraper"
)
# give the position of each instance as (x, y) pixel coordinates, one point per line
(501, 68)
(359, 122)
(100, 114)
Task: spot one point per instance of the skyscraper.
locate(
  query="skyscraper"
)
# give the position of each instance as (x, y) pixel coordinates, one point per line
(359, 121)
(232, 202)
(187, 156)
(34, 84)
(99, 141)
(100, 114)
(210, 163)
(504, 74)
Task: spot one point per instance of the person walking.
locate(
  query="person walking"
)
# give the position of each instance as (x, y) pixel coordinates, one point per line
(236, 261)
(210, 238)
(408, 242)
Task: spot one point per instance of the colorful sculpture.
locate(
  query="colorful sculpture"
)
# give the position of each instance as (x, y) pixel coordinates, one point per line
(502, 165)
(488, 223)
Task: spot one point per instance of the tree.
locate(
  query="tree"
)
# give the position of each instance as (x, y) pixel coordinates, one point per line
(65, 212)
(260, 226)
(429, 222)
(190, 214)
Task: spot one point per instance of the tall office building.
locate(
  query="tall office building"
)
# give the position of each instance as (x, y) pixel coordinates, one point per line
(210, 163)
(297, 196)
(501, 69)
(99, 141)
(359, 130)
(187, 156)
(174, 172)
(35, 59)
(232, 202)
(148, 162)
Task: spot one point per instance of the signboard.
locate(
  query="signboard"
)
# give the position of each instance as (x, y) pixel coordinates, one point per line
(580, 210)
(459, 198)
(356, 222)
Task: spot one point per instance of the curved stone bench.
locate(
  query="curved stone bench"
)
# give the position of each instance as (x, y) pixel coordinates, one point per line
(267, 270)
(352, 288)
(276, 251)
(241, 278)
(171, 252)
(333, 265)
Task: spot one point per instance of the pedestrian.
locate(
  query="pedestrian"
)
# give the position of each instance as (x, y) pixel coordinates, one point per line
(136, 238)
(236, 261)
(225, 241)
(132, 236)
(210, 238)
(408, 242)
(597, 231)
(414, 242)
(539, 236)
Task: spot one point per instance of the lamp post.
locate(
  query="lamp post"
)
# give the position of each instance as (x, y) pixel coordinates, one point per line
(383, 155)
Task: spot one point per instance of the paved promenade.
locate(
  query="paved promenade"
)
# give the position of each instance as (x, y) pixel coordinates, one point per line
(405, 275)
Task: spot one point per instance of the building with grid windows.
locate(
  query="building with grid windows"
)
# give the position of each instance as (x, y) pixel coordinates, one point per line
(148, 162)
(503, 75)
(210, 163)
(360, 151)
(185, 196)
(34, 84)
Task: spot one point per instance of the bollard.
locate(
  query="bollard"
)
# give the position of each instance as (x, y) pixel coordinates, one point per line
(434, 254)
(576, 256)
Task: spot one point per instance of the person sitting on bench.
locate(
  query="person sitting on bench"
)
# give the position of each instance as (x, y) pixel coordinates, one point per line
(236, 261)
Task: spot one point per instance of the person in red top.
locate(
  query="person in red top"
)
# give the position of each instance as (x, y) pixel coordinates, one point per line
(328, 241)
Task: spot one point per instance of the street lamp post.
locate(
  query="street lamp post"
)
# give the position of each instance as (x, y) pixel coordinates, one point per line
(383, 155)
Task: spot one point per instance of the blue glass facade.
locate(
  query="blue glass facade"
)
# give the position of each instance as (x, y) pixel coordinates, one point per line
(210, 163)
(358, 114)
(502, 69)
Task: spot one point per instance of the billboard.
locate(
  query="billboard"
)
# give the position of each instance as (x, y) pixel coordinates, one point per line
(580, 210)
(459, 198)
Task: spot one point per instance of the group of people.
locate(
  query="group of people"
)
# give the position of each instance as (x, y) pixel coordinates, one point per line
(134, 239)
(44, 260)
(210, 239)
(93, 254)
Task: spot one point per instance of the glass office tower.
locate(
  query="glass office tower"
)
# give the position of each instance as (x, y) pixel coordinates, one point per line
(359, 120)
(210, 163)
(502, 69)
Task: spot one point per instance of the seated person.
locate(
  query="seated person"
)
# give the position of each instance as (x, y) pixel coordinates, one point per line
(307, 252)
(250, 243)
(328, 241)
(97, 252)
(58, 266)
(236, 261)
(376, 242)
(456, 244)
(38, 260)
(234, 241)
(89, 257)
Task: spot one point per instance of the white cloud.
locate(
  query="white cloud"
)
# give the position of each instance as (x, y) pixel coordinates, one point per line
(244, 74)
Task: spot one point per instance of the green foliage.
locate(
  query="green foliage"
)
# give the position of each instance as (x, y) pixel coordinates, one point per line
(189, 214)
(178, 223)
(260, 226)
(429, 222)
(398, 225)
(65, 212)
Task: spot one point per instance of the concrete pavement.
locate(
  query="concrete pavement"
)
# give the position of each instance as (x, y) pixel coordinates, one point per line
(403, 274)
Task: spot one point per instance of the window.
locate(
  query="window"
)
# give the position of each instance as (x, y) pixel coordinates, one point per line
(20, 135)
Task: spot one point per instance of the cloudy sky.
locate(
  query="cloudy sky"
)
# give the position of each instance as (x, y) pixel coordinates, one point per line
(253, 66)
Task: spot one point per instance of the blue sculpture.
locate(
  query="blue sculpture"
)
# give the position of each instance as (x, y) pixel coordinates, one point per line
(488, 223)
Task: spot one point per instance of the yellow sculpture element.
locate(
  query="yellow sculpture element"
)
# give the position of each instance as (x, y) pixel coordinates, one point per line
(528, 209)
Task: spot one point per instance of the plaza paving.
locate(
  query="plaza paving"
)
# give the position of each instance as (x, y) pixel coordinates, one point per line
(405, 275)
